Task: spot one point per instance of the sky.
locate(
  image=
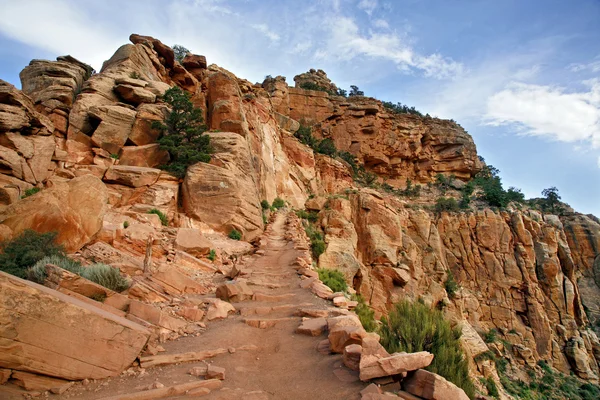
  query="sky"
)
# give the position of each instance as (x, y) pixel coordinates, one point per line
(522, 77)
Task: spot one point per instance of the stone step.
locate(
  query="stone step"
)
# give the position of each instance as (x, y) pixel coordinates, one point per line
(270, 285)
(265, 310)
(269, 298)
(266, 323)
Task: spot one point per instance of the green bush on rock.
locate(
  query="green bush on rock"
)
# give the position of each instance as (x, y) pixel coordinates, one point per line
(413, 327)
(22, 252)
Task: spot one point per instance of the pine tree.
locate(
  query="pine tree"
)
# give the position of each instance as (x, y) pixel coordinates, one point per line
(182, 133)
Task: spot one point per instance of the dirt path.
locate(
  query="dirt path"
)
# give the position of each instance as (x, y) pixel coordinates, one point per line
(285, 365)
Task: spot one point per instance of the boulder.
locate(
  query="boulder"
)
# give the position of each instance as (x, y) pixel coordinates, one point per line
(134, 94)
(46, 332)
(351, 356)
(74, 209)
(343, 331)
(218, 309)
(54, 84)
(223, 194)
(372, 366)
(234, 291)
(132, 176)
(193, 242)
(114, 125)
(142, 132)
(430, 386)
(149, 156)
(312, 326)
(214, 372)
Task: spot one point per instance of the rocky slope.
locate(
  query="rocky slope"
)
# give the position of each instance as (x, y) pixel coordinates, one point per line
(86, 140)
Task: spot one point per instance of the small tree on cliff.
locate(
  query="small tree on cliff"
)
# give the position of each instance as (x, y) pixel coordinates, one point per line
(182, 133)
(552, 198)
(180, 52)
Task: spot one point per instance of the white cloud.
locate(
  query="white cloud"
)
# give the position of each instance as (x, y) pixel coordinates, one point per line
(381, 23)
(549, 111)
(346, 42)
(301, 47)
(368, 6)
(593, 66)
(264, 29)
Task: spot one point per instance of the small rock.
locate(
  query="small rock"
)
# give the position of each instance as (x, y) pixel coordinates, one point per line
(215, 373)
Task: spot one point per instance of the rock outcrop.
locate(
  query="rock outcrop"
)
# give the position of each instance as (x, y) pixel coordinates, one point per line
(49, 333)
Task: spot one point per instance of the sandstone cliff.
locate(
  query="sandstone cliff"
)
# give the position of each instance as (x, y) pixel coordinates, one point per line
(530, 276)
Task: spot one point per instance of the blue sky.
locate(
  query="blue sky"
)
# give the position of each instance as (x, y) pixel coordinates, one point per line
(522, 77)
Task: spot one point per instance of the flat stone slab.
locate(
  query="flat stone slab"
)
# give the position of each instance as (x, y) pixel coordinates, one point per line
(312, 327)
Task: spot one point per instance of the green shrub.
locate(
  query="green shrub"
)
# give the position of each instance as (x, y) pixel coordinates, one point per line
(327, 147)
(212, 255)
(278, 203)
(134, 75)
(37, 273)
(446, 204)
(413, 327)
(30, 192)
(350, 159)
(311, 216)
(182, 133)
(235, 235)
(365, 314)
(114, 156)
(22, 252)
(451, 286)
(400, 108)
(490, 336)
(163, 218)
(126, 224)
(304, 134)
(317, 244)
(333, 278)
(105, 275)
(490, 386)
(265, 205)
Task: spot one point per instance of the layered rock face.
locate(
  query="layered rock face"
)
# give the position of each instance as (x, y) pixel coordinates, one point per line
(527, 275)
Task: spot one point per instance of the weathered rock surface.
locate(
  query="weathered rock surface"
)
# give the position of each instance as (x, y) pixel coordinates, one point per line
(430, 386)
(372, 366)
(223, 193)
(49, 333)
(74, 209)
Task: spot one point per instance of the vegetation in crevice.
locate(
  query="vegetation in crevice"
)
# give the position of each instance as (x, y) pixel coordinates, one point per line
(164, 220)
(235, 234)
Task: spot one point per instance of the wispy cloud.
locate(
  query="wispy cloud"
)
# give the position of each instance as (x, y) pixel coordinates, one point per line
(548, 111)
(346, 42)
(367, 6)
(593, 66)
(264, 29)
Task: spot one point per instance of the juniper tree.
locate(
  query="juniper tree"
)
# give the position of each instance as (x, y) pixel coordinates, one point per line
(182, 133)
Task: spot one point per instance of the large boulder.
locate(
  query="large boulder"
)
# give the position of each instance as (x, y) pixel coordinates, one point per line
(54, 84)
(372, 366)
(430, 386)
(223, 194)
(74, 209)
(46, 332)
